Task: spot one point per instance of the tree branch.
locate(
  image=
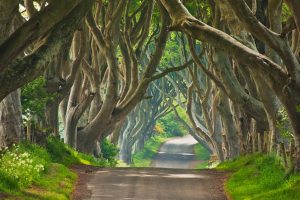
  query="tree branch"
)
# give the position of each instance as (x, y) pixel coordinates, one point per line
(169, 70)
(33, 65)
(32, 30)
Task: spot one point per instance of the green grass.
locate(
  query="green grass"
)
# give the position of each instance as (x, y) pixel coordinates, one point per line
(201, 154)
(63, 154)
(21, 165)
(55, 182)
(202, 165)
(145, 157)
(260, 177)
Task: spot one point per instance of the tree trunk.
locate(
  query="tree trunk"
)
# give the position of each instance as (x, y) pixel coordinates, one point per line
(70, 137)
(51, 115)
(10, 107)
(228, 128)
(11, 129)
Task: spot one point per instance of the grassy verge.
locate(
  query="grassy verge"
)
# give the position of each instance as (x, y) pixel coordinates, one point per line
(260, 177)
(145, 157)
(201, 154)
(29, 171)
(63, 154)
(56, 184)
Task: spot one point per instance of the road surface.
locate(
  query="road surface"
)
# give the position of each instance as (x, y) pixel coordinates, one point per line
(176, 153)
(163, 183)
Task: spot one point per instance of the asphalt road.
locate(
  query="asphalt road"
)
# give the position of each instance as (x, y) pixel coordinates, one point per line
(176, 153)
(163, 183)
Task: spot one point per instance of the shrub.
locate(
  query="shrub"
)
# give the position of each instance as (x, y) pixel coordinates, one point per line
(109, 152)
(158, 128)
(170, 124)
(20, 168)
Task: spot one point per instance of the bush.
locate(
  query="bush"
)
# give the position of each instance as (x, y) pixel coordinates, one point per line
(109, 152)
(20, 167)
(158, 128)
(169, 124)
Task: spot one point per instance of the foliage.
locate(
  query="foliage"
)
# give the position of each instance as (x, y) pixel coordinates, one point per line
(56, 184)
(170, 124)
(194, 7)
(166, 127)
(172, 55)
(144, 157)
(34, 97)
(286, 13)
(23, 164)
(159, 129)
(260, 177)
(109, 152)
(182, 114)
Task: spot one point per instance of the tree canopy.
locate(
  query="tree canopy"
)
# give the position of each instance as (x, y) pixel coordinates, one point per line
(228, 71)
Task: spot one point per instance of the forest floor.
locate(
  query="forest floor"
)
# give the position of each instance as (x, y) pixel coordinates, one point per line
(164, 181)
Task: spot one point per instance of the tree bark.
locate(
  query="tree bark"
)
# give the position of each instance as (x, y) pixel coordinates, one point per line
(34, 64)
(11, 128)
